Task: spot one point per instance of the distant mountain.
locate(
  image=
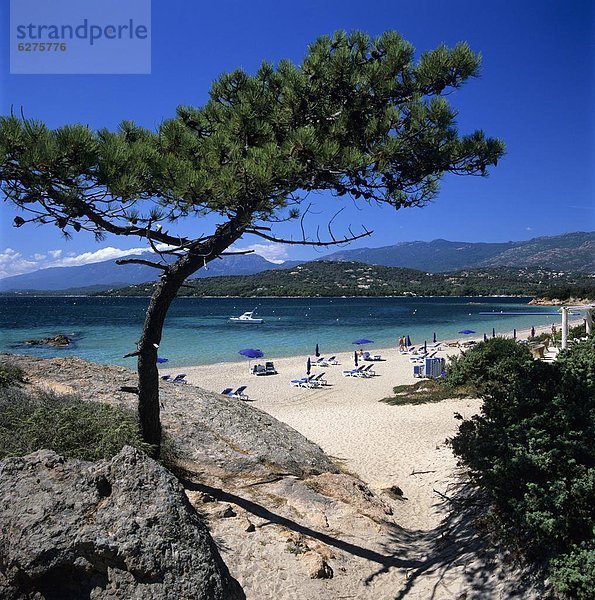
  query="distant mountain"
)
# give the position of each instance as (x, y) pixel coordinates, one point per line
(107, 274)
(568, 252)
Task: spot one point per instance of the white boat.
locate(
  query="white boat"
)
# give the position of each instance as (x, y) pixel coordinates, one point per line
(246, 318)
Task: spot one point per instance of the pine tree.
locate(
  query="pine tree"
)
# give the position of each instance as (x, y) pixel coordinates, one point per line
(358, 117)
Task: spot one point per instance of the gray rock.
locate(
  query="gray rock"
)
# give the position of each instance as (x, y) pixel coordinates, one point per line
(59, 341)
(121, 528)
(229, 439)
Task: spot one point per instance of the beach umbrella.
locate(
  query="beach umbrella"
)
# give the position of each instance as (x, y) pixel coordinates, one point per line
(514, 333)
(308, 366)
(485, 337)
(408, 341)
(467, 331)
(162, 360)
(434, 337)
(425, 346)
(355, 357)
(532, 331)
(362, 341)
(251, 353)
(317, 351)
(493, 332)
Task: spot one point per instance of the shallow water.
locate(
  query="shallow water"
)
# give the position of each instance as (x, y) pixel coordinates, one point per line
(197, 330)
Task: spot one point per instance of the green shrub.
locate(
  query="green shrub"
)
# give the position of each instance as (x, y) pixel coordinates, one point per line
(10, 375)
(532, 449)
(65, 424)
(573, 574)
(490, 364)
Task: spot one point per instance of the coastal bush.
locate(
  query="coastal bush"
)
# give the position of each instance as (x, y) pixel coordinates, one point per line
(10, 375)
(494, 363)
(66, 424)
(532, 449)
(426, 391)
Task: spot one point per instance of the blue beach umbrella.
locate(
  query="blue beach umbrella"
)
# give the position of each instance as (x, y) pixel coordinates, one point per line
(514, 333)
(317, 351)
(434, 337)
(251, 353)
(355, 357)
(308, 366)
(363, 341)
(493, 332)
(162, 360)
(466, 331)
(408, 341)
(425, 346)
(485, 337)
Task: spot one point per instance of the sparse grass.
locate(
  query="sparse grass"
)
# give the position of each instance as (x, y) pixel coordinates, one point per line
(430, 390)
(30, 421)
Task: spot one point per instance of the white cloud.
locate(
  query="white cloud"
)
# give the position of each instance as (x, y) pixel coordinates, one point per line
(275, 253)
(529, 228)
(14, 263)
(86, 258)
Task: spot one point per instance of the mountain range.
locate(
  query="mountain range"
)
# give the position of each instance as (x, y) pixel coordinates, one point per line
(568, 252)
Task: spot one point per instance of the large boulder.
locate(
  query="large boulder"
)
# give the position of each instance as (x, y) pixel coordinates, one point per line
(120, 528)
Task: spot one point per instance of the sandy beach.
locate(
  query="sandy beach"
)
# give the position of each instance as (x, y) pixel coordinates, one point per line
(384, 445)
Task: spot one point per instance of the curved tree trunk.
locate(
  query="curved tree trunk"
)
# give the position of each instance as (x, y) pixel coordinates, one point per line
(148, 375)
(171, 281)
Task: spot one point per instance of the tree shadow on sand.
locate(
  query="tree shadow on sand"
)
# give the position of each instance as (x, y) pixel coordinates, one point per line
(435, 557)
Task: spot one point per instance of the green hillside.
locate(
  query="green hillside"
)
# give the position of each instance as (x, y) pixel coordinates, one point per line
(324, 278)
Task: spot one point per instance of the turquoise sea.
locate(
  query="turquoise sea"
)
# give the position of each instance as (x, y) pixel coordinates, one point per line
(197, 330)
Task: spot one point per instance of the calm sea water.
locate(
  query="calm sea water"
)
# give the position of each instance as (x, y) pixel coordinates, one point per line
(197, 330)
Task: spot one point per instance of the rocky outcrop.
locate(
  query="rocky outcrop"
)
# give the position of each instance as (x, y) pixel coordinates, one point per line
(58, 341)
(121, 529)
(558, 302)
(229, 439)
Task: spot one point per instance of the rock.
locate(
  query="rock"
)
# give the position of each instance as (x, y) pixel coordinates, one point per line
(226, 512)
(59, 341)
(119, 528)
(317, 566)
(248, 526)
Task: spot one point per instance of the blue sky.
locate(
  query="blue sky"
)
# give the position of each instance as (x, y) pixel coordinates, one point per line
(536, 92)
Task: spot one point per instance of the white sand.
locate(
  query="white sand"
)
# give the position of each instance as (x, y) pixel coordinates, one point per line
(382, 444)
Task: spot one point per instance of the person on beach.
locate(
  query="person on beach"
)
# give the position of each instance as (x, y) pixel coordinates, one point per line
(401, 344)
(532, 331)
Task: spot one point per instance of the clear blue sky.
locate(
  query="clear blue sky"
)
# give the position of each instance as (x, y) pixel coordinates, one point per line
(535, 92)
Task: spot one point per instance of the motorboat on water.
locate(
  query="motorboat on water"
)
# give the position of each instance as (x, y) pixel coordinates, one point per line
(246, 318)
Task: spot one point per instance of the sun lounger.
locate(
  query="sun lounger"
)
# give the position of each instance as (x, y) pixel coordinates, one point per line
(371, 357)
(319, 380)
(258, 370)
(270, 368)
(353, 372)
(304, 382)
(180, 378)
(227, 391)
(239, 393)
(367, 371)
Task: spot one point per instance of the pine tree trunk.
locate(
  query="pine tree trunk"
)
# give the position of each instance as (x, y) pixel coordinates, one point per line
(148, 375)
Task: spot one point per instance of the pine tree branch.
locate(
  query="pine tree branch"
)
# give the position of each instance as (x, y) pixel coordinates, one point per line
(140, 261)
(303, 242)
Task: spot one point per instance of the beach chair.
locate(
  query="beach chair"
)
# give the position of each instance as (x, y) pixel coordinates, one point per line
(319, 380)
(227, 391)
(303, 382)
(270, 369)
(259, 370)
(333, 360)
(366, 371)
(180, 378)
(353, 372)
(239, 393)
